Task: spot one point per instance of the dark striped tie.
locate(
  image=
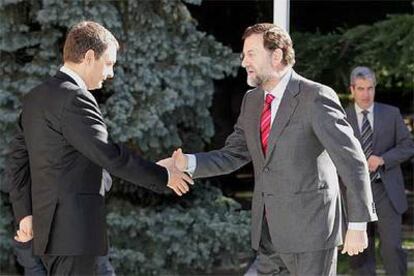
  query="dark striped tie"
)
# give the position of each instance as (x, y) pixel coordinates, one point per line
(366, 140)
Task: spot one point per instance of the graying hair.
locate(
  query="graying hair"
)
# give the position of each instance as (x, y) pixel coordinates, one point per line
(362, 72)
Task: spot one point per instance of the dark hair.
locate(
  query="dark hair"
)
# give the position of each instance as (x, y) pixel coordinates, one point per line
(84, 36)
(274, 37)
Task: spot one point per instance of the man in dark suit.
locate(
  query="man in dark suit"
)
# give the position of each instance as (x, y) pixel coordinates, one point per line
(17, 173)
(387, 143)
(295, 133)
(67, 143)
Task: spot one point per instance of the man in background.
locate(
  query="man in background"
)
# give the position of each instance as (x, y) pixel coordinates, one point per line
(386, 143)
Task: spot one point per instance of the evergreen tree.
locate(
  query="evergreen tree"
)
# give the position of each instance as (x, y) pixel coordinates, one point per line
(158, 100)
(163, 83)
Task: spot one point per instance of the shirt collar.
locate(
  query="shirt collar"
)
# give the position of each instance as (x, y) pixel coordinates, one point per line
(359, 109)
(280, 88)
(79, 81)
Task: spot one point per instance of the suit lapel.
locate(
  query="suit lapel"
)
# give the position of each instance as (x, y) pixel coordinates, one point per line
(258, 101)
(377, 124)
(286, 109)
(352, 119)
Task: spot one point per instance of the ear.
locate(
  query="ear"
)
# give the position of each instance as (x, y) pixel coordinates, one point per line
(89, 56)
(352, 89)
(277, 57)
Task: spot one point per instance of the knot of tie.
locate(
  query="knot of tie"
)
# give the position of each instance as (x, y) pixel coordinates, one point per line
(269, 98)
(365, 112)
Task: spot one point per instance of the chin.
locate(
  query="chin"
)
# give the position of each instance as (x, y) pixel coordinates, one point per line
(254, 81)
(251, 82)
(95, 87)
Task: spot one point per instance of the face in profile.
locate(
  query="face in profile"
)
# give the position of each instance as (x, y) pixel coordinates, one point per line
(102, 68)
(256, 60)
(363, 92)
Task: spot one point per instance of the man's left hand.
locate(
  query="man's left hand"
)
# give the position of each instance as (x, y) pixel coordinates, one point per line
(374, 162)
(25, 232)
(356, 241)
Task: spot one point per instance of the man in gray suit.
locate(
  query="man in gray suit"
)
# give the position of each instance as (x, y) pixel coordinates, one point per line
(387, 143)
(295, 132)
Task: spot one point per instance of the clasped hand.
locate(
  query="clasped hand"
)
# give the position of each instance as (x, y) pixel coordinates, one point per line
(178, 179)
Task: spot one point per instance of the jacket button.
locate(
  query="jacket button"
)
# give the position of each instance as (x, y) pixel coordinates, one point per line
(266, 169)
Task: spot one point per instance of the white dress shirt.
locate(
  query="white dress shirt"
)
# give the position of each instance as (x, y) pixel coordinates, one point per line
(360, 116)
(79, 81)
(278, 91)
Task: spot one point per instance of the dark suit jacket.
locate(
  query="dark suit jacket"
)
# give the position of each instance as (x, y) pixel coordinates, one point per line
(17, 176)
(392, 141)
(67, 142)
(297, 183)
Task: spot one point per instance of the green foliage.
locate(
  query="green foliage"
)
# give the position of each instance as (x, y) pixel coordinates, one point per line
(171, 68)
(386, 46)
(163, 83)
(199, 232)
(6, 235)
(196, 233)
(158, 100)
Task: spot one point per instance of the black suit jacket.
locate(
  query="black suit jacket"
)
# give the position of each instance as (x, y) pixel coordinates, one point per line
(391, 140)
(67, 142)
(17, 176)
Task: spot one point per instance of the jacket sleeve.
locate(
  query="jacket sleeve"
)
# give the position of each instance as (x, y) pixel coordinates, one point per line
(404, 145)
(84, 128)
(231, 157)
(336, 135)
(17, 177)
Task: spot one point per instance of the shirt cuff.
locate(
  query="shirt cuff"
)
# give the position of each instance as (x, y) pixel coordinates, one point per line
(191, 164)
(361, 226)
(168, 173)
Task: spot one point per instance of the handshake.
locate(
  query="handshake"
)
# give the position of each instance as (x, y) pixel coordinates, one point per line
(177, 166)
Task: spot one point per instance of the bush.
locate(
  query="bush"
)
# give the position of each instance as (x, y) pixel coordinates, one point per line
(160, 96)
(197, 233)
(158, 100)
(386, 46)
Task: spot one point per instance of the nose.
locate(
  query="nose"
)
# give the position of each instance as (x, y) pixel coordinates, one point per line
(110, 73)
(243, 61)
(366, 93)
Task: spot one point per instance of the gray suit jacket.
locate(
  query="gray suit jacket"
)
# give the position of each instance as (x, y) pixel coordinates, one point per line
(392, 141)
(297, 182)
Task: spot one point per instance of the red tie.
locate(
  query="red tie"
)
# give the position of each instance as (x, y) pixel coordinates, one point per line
(265, 121)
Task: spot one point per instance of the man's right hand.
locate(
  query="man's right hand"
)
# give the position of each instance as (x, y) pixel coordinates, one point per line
(177, 178)
(181, 160)
(356, 241)
(25, 232)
